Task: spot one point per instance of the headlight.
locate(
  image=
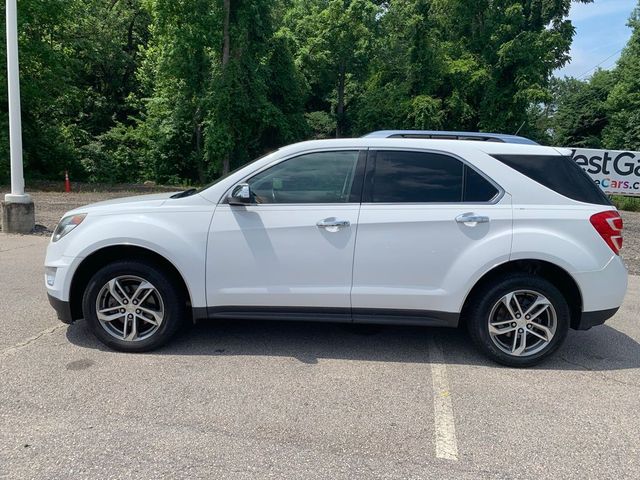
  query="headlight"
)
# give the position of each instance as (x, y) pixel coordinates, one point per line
(66, 225)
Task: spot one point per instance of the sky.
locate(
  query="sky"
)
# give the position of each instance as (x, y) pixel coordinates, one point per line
(601, 33)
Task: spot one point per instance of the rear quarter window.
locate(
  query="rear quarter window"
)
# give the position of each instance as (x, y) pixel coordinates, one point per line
(558, 173)
(477, 188)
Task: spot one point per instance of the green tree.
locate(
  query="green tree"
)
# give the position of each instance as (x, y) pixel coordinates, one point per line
(221, 86)
(185, 90)
(581, 112)
(456, 64)
(334, 40)
(516, 46)
(77, 65)
(175, 73)
(406, 75)
(45, 75)
(104, 57)
(623, 131)
(256, 98)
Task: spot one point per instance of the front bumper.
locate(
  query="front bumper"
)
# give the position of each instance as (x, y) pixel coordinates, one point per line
(62, 308)
(591, 319)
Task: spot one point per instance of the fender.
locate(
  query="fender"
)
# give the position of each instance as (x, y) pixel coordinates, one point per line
(178, 236)
(576, 248)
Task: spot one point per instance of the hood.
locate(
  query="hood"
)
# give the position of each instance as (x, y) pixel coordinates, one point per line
(125, 203)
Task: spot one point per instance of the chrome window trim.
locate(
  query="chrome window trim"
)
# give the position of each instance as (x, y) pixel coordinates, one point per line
(295, 204)
(495, 200)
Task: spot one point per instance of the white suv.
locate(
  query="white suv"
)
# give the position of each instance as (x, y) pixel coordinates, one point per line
(513, 241)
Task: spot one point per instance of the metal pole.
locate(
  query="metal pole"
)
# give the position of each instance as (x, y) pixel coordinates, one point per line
(17, 194)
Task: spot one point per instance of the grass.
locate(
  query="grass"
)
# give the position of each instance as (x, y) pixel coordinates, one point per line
(630, 204)
(84, 187)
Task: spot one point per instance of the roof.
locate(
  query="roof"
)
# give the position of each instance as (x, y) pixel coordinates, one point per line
(444, 145)
(441, 134)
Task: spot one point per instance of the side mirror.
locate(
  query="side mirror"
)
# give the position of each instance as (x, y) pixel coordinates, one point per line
(240, 195)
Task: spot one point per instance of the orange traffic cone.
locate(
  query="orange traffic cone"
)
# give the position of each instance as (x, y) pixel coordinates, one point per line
(67, 183)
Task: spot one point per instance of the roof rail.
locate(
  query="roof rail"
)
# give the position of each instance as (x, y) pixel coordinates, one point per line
(444, 135)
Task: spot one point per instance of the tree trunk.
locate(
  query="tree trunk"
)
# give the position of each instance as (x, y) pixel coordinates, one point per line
(131, 51)
(198, 137)
(202, 178)
(340, 106)
(226, 47)
(225, 164)
(225, 33)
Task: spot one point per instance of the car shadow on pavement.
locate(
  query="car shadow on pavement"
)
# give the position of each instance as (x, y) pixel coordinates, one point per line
(599, 349)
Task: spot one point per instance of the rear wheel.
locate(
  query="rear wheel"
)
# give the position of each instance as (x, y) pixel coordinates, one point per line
(132, 306)
(518, 320)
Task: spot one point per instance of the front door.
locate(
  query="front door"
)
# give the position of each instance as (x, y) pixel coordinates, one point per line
(291, 249)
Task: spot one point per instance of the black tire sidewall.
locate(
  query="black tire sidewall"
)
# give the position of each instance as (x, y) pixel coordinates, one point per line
(171, 298)
(483, 302)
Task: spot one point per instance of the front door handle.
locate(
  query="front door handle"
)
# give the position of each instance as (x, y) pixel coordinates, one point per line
(333, 223)
(472, 218)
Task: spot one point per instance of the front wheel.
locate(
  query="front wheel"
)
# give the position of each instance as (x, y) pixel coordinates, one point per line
(518, 320)
(132, 306)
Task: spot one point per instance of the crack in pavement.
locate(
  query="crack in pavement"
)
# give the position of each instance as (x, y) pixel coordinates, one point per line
(30, 340)
(19, 248)
(601, 375)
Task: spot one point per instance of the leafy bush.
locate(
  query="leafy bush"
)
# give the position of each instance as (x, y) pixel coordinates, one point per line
(630, 204)
(322, 124)
(113, 157)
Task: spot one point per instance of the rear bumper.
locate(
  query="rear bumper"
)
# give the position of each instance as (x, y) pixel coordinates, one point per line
(62, 308)
(603, 290)
(591, 319)
(602, 293)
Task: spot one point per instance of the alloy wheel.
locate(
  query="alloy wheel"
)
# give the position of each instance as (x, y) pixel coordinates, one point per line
(522, 323)
(130, 308)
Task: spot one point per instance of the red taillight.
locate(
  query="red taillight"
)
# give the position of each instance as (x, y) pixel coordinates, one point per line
(609, 226)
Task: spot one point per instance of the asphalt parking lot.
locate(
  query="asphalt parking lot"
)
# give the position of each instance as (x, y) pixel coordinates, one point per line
(278, 400)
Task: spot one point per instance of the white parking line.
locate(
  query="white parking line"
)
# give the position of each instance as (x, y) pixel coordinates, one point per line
(446, 443)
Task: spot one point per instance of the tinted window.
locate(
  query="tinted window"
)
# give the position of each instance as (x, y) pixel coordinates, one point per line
(415, 177)
(560, 174)
(324, 177)
(476, 187)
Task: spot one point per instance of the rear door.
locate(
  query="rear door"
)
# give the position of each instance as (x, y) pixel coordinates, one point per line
(428, 223)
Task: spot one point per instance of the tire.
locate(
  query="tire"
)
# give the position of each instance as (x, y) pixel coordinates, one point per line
(518, 342)
(109, 310)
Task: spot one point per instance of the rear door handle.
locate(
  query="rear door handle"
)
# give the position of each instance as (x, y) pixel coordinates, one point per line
(472, 218)
(333, 222)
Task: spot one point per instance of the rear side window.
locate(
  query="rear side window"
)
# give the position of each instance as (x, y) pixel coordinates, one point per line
(424, 177)
(558, 173)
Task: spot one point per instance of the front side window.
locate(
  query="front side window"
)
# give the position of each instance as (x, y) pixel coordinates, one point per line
(321, 177)
(425, 177)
